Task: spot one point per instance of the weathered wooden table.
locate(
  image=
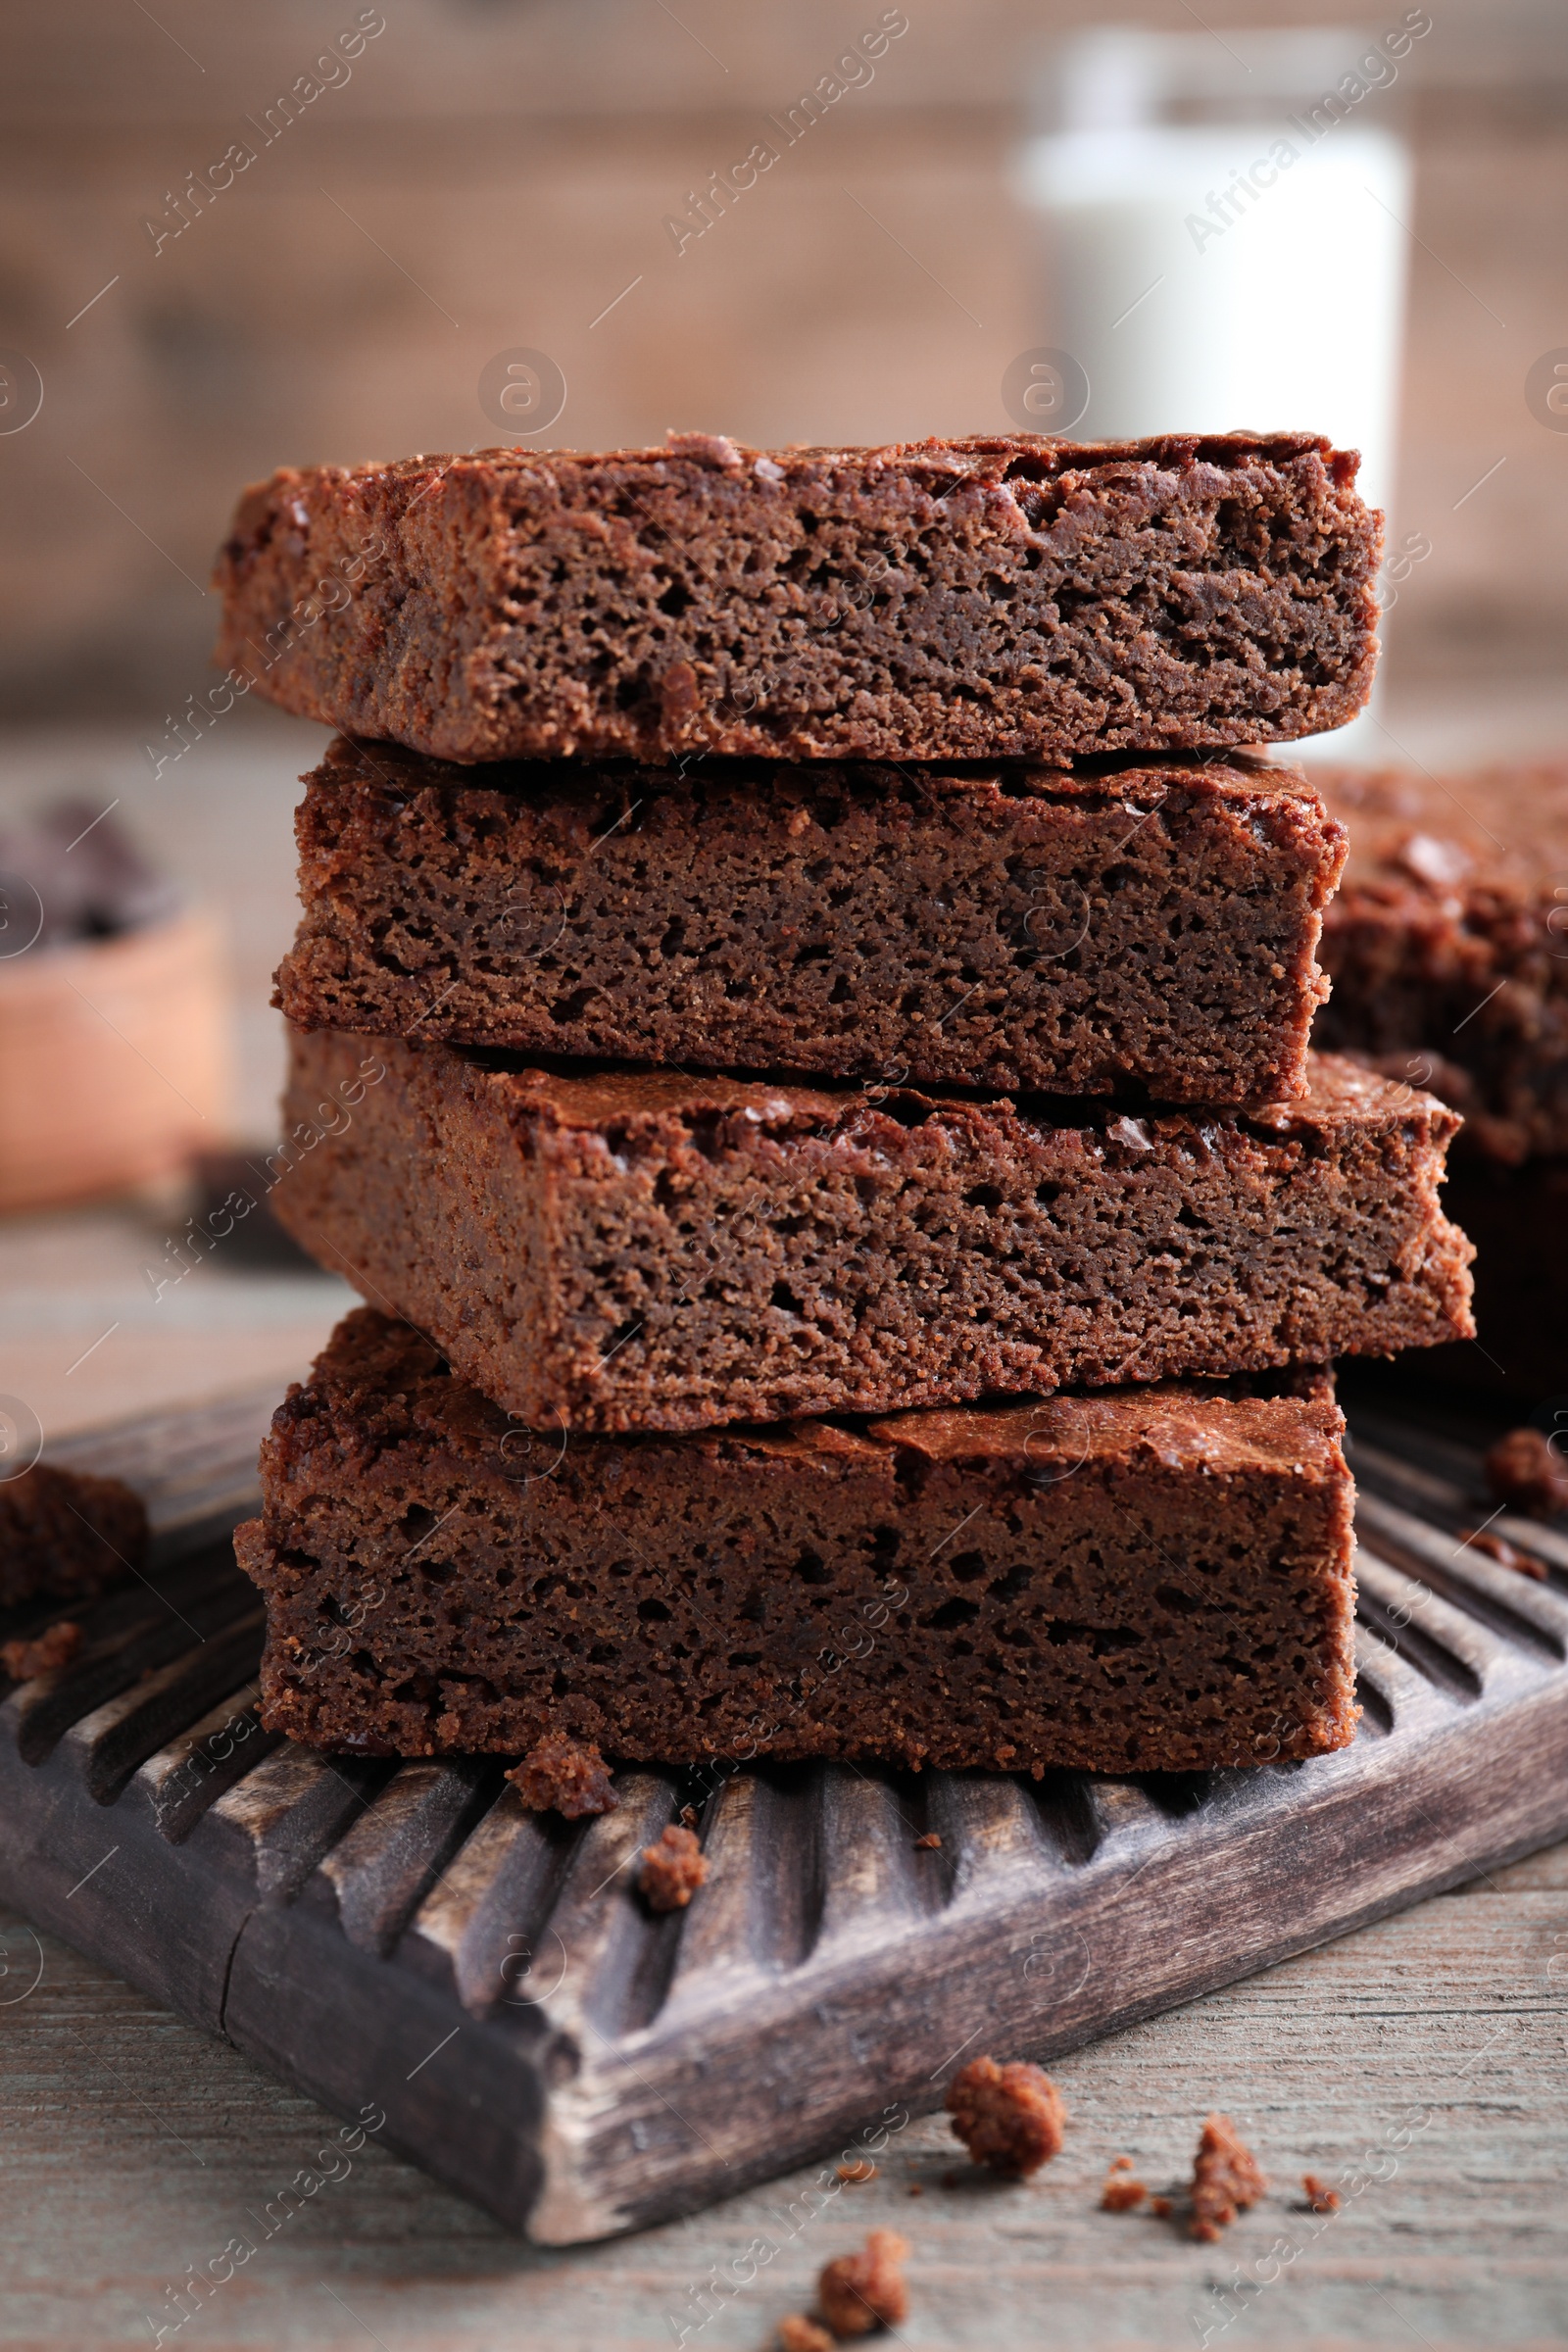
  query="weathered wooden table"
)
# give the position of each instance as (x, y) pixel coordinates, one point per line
(1423, 2059)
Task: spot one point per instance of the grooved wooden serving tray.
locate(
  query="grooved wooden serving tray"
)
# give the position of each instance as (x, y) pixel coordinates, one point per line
(407, 1936)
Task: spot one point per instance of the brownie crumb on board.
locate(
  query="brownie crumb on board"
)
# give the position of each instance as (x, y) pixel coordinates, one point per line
(1524, 1469)
(798, 2333)
(55, 1647)
(566, 1776)
(1010, 2118)
(858, 2169)
(673, 1868)
(1161, 2207)
(1123, 2191)
(1226, 2177)
(860, 2292)
(1506, 1554)
(65, 1535)
(928, 1843)
(1319, 2196)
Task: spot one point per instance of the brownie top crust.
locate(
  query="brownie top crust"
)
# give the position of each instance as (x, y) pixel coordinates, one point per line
(717, 1112)
(983, 460)
(993, 594)
(1428, 838)
(378, 1383)
(578, 797)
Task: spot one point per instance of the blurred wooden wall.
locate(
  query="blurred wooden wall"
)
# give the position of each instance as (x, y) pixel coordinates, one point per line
(493, 173)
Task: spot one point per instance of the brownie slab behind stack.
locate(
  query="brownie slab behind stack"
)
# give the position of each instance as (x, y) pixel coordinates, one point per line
(1145, 931)
(1448, 947)
(1447, 944)
(621, 1250)
(1000, 596)
(1155, 1579)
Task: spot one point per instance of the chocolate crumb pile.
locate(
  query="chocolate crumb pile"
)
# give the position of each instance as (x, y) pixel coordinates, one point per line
(861, 2292)
(1319, 2195)
(55, 1647)
(566, 1776)
(1525, 1471)
(1226, 2179)
(1008, 2117)
(673, 1868)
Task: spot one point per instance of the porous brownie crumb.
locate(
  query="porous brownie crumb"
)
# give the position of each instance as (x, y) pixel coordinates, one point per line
(673, 1868)
(1148, 931)
(861, 2291)
(996, 594)
(707, 1250)
(1121, 2193)
(1320, 2196)
(55, 1647)
(1506, 1554)
(928, 1843)
(65, 1534)
(1163, 2207)
(1525, 1471)
(798, 2333)
(858, 2169)
(1058, 1634)
(1008, 2117)
(1226, 2177)
(563, 1775)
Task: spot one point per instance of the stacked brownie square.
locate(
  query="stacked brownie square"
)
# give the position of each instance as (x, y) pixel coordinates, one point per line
(799, 1033)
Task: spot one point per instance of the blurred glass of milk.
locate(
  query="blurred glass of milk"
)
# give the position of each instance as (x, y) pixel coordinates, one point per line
(1227, 222)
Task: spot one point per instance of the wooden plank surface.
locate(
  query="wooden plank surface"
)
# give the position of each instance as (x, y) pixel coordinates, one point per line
(1423, 2057)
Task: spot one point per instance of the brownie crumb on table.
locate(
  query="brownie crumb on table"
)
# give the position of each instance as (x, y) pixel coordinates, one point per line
(998, 594)
(1525, 1471)
(674, 1866)
(566, 1776)
(1507, 1555)
(861, 2292)
(1010, 2116)
(929, 1842)
(798, 2333)
(1319, 2196)
(1226, 2179)
(65, 1535)
(860, 2169)
(55, 1647)
(1122, 2190)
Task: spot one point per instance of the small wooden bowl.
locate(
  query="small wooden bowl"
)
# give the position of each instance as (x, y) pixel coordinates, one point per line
(114, 1061)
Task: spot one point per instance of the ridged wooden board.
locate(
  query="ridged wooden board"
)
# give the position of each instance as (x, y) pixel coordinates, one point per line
(408, 1934)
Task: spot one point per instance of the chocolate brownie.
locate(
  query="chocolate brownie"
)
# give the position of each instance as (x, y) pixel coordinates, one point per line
(1517, 1219)
(66, 1534)
(1447, 945)
(1011, 2118)
(621, 1250)
(1143, 1579)
(999, 595)
(1150, 930)
(1227, 2178)
(861, 2294)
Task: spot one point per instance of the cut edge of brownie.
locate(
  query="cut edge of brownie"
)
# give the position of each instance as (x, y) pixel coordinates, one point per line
(1149, 930)
(613, 1250)
(978, 1588)
(800, 603)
